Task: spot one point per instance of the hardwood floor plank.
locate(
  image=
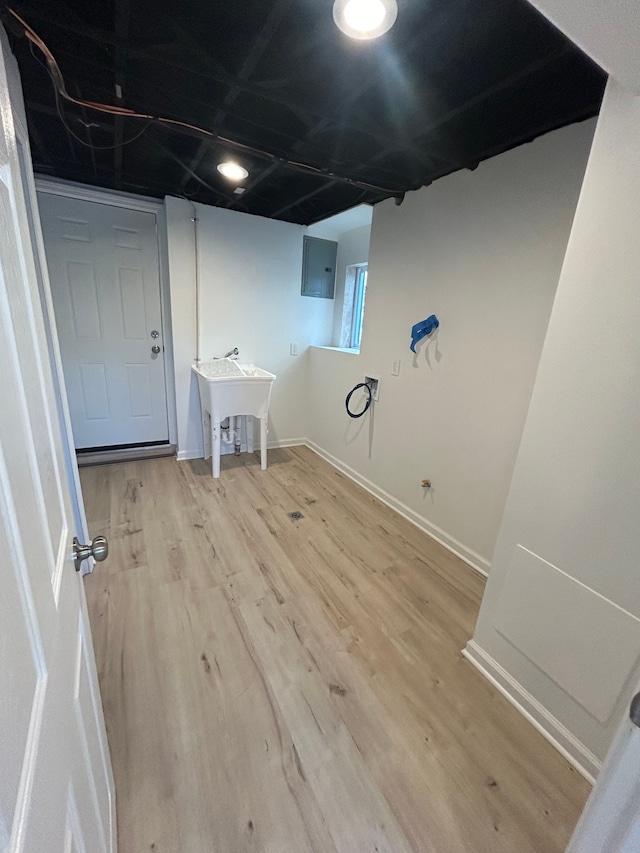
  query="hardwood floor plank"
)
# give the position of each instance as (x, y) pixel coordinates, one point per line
(328, 756)
(243, 792)
(294, 686)
(144, 762)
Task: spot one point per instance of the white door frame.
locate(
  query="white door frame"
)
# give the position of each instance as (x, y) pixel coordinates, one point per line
(129, 201)
(610, 821)
(44, 288)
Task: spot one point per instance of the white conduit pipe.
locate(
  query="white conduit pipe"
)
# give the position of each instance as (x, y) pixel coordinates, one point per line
(196, 246)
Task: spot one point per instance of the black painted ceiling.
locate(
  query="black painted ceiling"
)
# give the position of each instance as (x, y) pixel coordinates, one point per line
(454, 82)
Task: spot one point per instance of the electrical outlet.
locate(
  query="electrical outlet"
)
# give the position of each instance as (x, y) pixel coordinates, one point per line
(293, 349)
(395, 367)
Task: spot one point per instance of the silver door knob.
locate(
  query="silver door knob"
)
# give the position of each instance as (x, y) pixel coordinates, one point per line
(155, 349)
(99, 550)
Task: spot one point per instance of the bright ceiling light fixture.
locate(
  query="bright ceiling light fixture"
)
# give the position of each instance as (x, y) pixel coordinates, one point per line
(365, 19)
(233, 171)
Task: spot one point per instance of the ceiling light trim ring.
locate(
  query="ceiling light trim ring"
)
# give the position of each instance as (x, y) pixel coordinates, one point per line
(232, 171)
(341, 15)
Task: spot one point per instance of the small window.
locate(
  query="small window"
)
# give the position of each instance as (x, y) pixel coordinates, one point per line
(355, 288)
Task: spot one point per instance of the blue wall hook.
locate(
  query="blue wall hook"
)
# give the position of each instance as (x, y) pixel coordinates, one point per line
(422, 329)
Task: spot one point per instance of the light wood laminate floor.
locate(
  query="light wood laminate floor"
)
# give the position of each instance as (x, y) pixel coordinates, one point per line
(288, 686)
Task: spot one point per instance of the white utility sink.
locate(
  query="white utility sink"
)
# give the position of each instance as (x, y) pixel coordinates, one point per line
(228, 389)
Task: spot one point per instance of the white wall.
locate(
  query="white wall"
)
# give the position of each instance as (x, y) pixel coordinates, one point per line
(483, 251)
(250, 272)
(332, 227)
(559, 626)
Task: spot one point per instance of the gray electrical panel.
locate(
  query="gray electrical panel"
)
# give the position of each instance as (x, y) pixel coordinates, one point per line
(318, 267)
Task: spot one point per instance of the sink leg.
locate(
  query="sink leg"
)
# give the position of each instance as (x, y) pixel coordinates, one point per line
(248, 428)
(263, 443)
(206, 434)
(215, 448)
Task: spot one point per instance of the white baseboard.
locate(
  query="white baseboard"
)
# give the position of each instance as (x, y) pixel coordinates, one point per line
(480, 564)
(576, 753)
(285, 442)
(183, 455)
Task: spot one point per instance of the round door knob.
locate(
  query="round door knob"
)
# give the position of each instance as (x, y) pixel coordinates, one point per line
(99, 550)
(155, 349)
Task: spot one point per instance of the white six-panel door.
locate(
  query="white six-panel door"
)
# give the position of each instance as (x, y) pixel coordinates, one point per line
(56, 786)
(104, 272)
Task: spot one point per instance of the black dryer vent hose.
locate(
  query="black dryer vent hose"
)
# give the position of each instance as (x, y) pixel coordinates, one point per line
(352, 392)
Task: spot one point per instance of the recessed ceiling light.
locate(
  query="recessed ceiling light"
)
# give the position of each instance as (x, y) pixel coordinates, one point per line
(232, 171)
(365, 19)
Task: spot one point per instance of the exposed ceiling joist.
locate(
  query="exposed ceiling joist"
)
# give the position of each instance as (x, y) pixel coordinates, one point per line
(319, 121)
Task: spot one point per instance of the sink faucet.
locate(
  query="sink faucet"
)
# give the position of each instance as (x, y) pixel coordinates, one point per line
(232, 352)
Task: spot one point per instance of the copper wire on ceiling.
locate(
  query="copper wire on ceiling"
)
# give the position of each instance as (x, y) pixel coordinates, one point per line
(454, 83)
(60, 90)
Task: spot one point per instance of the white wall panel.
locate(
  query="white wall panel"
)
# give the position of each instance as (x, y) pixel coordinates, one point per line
(133, 314)
(95, 395)
(74, 229)
(139, 385)
(574, 498)
(83, 299)
(568, 630)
